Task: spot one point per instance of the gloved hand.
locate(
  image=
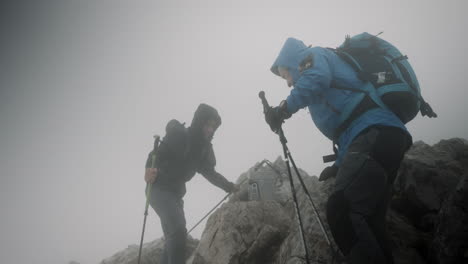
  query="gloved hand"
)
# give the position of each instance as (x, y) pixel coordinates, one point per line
(150, 175)
(235, 188)
(232, 188)
(328, 172)
(275, 116)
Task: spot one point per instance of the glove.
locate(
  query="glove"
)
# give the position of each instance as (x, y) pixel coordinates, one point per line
(235, 188)
(232, 187)
(275, 116)
(328, 172)
(150, 175)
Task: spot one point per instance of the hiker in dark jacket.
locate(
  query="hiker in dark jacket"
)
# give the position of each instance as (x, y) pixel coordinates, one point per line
(182, 153)
(370, 148)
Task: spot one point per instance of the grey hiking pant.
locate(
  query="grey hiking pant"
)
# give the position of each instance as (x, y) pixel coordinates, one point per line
(170, 209)
(356, 211)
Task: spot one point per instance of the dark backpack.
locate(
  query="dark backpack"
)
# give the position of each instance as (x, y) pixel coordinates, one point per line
(391, 81)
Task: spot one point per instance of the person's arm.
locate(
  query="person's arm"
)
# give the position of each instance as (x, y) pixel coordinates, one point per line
(207, 170)
(307, 90)
(150, 175)
(151, 172)
(311, 84)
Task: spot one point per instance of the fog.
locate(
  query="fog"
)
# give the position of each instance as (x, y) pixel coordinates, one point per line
(86, 84)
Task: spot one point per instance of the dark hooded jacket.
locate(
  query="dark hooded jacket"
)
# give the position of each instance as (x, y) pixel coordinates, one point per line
(184, 151)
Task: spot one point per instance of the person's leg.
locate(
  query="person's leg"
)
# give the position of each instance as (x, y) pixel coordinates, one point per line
(388, 150)
(340, 222)
(369, 194)
(163, 259)
(177, 235)
(363, 195)
(170, 210)
(351, 229)
(378, 225)
(360, 185)
(357, 210)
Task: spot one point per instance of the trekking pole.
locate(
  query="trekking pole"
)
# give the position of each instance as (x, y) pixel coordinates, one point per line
(266, 107)
(334, 252)
(207, 214)
(317, 216)
(148, 193)
(288, 158)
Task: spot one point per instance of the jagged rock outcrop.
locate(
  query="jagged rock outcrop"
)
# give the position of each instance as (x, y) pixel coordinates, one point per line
(245, 232)
(279, 238)
(150, 254)
(431, 192)
(426, 220)
(428, 175)
(451, 231)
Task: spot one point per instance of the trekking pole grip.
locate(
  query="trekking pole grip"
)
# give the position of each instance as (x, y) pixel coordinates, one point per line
(155, 149)
(265, 104)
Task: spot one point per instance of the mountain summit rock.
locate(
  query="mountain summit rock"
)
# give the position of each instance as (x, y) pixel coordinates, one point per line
(258, 225)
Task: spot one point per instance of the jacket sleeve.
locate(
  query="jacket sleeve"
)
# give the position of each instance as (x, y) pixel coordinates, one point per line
(207, 169)
(310, 85)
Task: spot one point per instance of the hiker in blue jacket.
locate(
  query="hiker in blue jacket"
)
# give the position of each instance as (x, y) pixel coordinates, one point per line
(182, 153)
(371, 144)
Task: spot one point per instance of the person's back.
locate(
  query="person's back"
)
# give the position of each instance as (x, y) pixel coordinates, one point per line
(326, 84)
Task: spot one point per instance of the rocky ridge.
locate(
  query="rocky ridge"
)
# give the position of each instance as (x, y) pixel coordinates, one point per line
(426, 220)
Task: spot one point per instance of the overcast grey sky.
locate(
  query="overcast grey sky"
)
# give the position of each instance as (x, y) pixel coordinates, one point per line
(86, 84)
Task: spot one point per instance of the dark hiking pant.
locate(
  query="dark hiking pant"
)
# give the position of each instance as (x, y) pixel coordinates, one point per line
(356, 211)
(170, 209)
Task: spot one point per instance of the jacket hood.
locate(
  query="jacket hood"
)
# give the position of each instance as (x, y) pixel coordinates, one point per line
(290, 57)
(204, 113)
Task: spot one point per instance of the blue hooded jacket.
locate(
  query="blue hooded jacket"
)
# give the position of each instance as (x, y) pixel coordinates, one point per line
(314, 88)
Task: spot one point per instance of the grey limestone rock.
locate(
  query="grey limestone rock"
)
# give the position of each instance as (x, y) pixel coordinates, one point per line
(426, 220)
